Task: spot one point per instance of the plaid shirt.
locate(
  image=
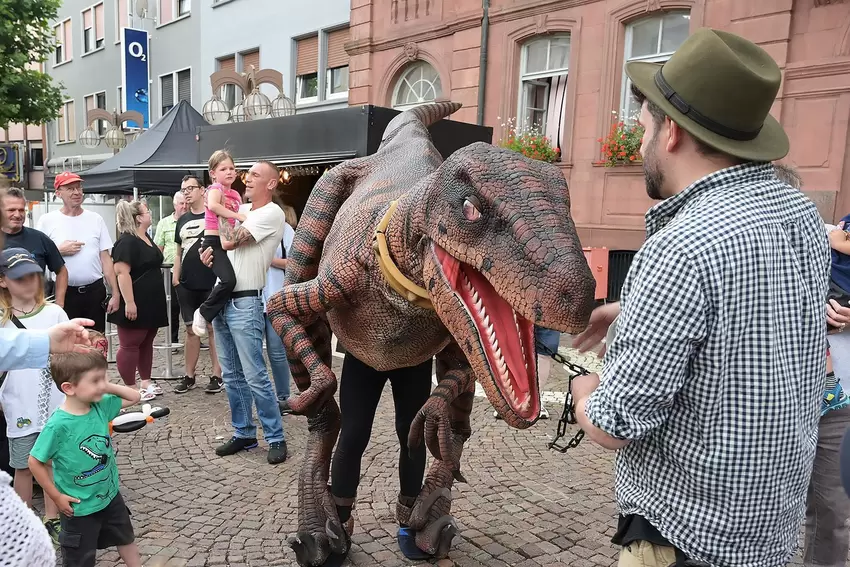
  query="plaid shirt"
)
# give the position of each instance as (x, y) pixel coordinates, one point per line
(718, 367)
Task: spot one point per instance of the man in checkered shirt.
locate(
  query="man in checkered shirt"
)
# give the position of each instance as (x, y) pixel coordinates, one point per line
(711, 388)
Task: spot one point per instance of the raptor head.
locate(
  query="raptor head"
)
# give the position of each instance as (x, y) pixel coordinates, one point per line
(503, 256)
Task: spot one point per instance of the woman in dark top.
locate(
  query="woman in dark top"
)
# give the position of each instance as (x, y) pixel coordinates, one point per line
(142, 310)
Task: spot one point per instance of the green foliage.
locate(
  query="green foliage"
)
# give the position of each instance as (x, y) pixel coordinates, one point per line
(26, 39)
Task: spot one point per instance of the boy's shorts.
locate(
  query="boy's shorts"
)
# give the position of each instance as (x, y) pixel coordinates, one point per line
(19, 450)
(82, 536)
(548, 338)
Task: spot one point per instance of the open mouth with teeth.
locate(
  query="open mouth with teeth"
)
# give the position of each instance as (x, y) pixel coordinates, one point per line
(506, 336)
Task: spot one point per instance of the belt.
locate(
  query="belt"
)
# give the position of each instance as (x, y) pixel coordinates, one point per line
(85, 288)
(246, 293)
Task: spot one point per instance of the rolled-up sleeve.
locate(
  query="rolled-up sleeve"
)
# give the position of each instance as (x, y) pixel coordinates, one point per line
(21, 348)
(661, 324)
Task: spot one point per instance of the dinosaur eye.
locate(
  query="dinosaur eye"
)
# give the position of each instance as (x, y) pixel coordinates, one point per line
(471, 209)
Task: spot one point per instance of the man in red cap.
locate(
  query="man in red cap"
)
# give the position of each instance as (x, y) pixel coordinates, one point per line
(84, 242)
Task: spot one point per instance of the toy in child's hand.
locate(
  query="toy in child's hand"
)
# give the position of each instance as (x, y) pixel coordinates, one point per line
(133, 421)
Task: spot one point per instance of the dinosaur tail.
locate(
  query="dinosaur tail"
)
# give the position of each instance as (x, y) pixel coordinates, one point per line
(416, 120)
(431, 113)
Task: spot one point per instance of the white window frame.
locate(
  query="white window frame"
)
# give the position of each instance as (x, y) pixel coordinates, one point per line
(174, 86)
(403, 75)
(86, 111)
(35, 145)
(336, 96)
(299, 86)
(83, 28)
(66, 57)
(657, 57)
(70, 139)
(176, 11)
(525, 77)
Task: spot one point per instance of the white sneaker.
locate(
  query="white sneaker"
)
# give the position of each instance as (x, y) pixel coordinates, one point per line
(544, 413)
(199, 324)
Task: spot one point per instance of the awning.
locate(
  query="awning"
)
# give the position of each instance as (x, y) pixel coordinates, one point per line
(245, 163)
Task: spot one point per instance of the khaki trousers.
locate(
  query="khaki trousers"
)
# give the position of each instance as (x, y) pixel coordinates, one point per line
(645, 554)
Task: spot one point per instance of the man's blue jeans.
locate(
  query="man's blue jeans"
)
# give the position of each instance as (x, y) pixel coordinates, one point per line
(278, 361)
(239, 330)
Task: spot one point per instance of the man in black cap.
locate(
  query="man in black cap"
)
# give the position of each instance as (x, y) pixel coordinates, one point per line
(711, 386)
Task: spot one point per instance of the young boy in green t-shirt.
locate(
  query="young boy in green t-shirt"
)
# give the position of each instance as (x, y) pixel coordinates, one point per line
(76, 438)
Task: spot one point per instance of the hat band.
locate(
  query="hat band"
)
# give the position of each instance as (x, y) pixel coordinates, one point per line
(682, 106)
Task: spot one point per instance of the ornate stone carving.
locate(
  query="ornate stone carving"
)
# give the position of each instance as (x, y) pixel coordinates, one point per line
(653, 5)
(411, 51)
(540, 23)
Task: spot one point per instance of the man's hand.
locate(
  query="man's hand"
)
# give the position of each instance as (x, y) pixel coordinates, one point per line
(130, 311)
(114, 303)
(70, 336)
(207, 257)
(70, 247)
(175, 281)
(837, 315)
(600, 320)
(837, 236)
(64, 504)
(583, 386)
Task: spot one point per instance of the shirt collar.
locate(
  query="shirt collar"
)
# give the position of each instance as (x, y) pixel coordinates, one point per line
(659, 215)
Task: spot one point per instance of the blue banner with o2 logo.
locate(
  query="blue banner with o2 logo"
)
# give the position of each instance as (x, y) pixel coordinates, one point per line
(134, 62)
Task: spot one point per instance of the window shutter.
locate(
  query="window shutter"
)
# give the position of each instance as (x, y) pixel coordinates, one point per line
(308, 56)
(89, 103)
(68, 41)
(60, 123)
(166, 11)
(122, 16)
(167, 88)
(251, 58)
(337, 57)
(98, 21)
(184, 86)
(227, 64)
(72, 122)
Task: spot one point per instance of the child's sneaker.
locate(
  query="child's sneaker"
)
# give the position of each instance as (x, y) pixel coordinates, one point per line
(199, 324)
(834, 399)
(53, 529)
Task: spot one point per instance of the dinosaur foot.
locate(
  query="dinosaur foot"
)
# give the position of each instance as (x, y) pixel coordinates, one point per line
(322, 549)
(436, 538)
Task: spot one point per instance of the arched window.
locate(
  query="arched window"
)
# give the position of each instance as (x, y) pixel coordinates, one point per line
(418, 84)
(652, 39)
(544, 67)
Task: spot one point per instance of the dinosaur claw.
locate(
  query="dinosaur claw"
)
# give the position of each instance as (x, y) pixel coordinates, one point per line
(437, 537)
(310, 550)
(458, 476)
(338, 537)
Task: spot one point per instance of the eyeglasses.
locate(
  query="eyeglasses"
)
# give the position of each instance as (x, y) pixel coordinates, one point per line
(73, 188)
(189, 189)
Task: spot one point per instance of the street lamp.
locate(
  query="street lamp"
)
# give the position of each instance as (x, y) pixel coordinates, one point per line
(114, 136)
(256, 105)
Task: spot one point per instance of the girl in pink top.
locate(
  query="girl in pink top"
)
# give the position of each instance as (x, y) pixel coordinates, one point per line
(222, 208)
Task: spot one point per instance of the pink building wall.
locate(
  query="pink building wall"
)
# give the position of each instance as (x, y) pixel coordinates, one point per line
(810, 40)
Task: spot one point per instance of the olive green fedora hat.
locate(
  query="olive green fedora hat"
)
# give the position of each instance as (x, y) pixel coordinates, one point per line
(719, 87)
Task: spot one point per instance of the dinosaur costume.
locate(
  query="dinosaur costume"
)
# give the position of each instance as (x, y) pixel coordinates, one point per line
(406, 257)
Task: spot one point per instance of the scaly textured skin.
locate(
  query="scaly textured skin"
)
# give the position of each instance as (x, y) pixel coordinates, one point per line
(488, 233)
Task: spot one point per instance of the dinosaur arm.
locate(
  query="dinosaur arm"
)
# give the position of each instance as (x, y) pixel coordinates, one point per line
(447, 410)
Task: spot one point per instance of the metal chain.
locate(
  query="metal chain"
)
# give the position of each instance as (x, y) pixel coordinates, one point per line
(568, 415)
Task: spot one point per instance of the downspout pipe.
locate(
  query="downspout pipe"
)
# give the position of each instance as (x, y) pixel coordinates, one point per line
(482, 65)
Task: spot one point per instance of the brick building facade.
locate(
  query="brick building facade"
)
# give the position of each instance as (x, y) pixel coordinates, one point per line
(560, 64)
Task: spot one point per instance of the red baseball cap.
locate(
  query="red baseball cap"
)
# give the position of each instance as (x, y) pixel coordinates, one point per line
(65, 178)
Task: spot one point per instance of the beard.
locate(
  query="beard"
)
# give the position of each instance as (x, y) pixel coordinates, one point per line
(652, 172)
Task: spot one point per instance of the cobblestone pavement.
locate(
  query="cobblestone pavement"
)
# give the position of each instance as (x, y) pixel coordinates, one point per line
(524, 505)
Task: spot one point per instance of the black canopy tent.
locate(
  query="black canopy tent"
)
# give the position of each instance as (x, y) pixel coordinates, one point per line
(171, 140)
(315, 138)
